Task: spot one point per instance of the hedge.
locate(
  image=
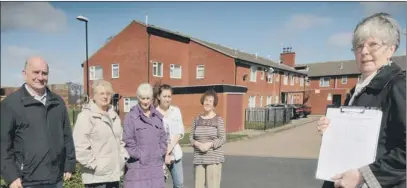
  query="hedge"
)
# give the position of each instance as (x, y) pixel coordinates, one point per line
(74, 182)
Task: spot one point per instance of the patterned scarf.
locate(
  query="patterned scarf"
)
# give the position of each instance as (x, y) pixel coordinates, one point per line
(364, 81)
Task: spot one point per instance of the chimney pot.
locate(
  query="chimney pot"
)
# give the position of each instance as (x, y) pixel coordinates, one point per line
(287, 57)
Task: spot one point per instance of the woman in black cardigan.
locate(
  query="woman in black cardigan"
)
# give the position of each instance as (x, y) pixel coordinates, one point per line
(382, 84)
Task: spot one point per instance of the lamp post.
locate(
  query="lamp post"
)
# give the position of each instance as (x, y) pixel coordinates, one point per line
(85, 19)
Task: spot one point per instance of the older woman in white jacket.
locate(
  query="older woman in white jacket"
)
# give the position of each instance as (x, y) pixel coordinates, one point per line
(98, 140)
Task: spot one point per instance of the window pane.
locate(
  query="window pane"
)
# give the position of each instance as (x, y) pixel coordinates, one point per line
(98, 72)
(200, 71)
(159, 72)
(177, 71)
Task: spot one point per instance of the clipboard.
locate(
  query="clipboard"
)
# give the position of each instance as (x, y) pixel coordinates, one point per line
(351, 140)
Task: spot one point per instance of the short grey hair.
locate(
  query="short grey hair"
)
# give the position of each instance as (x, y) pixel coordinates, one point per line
(145, 90)
(379, 25)
(102, 83)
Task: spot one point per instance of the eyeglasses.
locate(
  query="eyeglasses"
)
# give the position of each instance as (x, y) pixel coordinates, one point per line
(104, 94)
(371, 47)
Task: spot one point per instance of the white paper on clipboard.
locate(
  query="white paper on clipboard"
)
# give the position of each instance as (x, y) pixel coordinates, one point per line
(350, 141)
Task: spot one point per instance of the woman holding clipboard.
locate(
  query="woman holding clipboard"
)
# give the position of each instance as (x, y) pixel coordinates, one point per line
(382, 84)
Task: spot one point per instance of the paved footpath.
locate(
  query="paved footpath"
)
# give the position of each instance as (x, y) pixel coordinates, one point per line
(285, 159)
(300, 142)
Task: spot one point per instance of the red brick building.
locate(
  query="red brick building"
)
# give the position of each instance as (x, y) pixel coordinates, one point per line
(146, 53)
(330, 82)
(60, 89)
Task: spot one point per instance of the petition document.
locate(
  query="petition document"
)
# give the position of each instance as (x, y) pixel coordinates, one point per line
(350, 142)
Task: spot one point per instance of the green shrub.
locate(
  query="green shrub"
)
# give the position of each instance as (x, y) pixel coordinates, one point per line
(76, 179)
(73, 114)
(74, 182)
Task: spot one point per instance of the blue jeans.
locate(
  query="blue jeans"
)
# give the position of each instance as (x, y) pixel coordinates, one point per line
(57, 185)
(177, 174)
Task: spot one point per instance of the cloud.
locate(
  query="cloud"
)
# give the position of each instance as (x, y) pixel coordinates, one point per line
(306, 21)
(12, 62)
(370, 8)
(14, 56)
(340, 39)
(38, 16)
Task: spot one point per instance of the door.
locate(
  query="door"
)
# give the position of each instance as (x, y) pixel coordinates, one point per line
(234, 113)
(283, 98)
(336, 100)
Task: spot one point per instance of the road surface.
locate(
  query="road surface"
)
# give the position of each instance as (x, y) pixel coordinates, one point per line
(286, 159)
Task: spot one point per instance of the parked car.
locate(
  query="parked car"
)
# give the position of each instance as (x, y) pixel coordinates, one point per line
(302, 110)
(299, 110)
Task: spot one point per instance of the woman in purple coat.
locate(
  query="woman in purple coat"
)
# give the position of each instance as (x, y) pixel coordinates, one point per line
(146, 143)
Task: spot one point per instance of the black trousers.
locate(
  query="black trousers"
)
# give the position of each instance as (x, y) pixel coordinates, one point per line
(103, 185)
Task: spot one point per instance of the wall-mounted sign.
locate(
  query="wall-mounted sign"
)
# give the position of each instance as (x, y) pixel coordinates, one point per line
(317, 91)
(329, 97)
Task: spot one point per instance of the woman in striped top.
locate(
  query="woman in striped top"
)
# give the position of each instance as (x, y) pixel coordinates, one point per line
(207, 137)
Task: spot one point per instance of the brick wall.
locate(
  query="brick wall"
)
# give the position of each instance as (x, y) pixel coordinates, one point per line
(191, 107)
(318, 99)
(59, 89)
(318, 95)
(219, 69)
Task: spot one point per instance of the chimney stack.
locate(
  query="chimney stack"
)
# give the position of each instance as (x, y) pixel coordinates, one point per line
(287, 57)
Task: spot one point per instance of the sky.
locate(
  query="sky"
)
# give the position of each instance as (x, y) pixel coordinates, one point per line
(316, 31)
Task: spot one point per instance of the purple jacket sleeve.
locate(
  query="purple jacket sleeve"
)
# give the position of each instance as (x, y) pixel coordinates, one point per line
(163, 141)
(129, 138)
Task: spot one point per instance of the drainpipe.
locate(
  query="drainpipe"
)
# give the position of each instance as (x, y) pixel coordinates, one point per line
(279, 87)
(148, 57)
(235, 71)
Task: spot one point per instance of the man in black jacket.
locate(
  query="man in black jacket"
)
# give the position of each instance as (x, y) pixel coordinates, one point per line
(37, 149)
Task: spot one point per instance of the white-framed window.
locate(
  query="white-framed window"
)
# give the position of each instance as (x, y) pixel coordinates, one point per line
(285, 78)
(276, 99)
(270, 77)
(268, 100)
(175, 71)
(115, 70)
(344, 80)
(262, 75)
(296, 79)
(301, 81)
(200, 71)
(324, 82)
(278, 77)
(253, 73)
(261, 101)
(157, 69)
(95, 73)
(291, 79)
(329, 98)
(129, 102)
(252, 101)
